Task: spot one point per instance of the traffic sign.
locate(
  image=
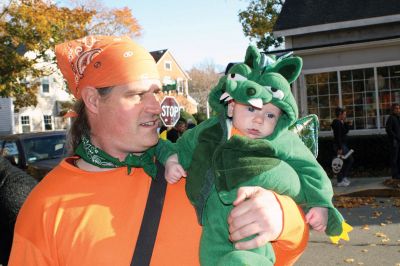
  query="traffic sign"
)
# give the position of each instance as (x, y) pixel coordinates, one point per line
(170, 111)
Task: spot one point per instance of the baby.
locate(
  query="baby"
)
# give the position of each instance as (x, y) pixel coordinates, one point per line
(249, 144)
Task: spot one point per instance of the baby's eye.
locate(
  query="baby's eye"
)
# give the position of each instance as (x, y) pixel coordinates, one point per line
(236, 77)
(270, 115)
(251, 108)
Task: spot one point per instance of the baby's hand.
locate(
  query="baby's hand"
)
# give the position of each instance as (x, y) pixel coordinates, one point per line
(317, 217)
(173, 170)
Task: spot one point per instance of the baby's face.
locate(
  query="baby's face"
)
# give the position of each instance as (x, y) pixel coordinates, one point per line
(253, 122)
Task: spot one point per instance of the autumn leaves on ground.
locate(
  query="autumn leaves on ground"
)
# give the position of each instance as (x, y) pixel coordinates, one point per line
(375, 239)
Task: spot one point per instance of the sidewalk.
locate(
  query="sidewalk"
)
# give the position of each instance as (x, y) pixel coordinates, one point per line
(366, 187)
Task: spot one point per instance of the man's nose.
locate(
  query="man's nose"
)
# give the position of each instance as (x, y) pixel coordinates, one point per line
(152, 105)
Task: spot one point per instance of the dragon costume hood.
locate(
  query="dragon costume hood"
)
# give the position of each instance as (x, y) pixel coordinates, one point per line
(257, 81)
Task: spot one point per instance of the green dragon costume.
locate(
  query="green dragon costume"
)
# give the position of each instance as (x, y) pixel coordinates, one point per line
(218, 164)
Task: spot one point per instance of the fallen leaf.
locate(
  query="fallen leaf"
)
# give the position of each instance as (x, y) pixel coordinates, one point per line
(349, 260)
(364, 250)
(377, 214)
(385, 240)
(365, 227)
(352, 202)
(380, 234)
(383, 224)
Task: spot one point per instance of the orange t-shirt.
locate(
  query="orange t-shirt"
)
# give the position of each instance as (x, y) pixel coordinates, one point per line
(75, 217)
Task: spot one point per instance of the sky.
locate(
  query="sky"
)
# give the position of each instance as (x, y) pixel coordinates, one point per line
(195, 32)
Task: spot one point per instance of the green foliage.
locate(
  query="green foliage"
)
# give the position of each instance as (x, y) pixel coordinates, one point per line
(200, 117)
(186, 116)
(258, 21)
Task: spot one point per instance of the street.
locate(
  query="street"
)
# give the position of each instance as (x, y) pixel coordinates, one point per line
(375, 239)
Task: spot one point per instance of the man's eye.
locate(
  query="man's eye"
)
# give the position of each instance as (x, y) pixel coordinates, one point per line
(251, 108)
(270, 115)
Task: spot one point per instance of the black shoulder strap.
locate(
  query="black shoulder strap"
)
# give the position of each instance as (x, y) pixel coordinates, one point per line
(151, 220)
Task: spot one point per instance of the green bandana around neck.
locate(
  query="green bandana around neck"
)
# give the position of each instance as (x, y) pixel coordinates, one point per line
(95, 156)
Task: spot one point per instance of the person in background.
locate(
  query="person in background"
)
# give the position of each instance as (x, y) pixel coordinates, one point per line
(340, 129)
(107, 204)
(190, 124)
(15, 185)
(174, 133)
(393, 132)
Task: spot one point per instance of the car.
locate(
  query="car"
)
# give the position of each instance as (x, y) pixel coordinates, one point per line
(37, 153)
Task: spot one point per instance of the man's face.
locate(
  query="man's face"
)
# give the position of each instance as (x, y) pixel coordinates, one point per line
(343, 115)
(181, 127)
(396, 110)
(253, 122)
(128, 119)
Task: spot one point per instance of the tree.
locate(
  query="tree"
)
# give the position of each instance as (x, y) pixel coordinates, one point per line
(258, 21)
(204, 78)
(109, 21)
(35, 26)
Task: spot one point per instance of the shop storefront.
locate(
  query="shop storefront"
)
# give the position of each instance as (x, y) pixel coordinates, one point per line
(366, 93)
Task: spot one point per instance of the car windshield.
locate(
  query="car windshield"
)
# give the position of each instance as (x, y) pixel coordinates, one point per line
(44, 148)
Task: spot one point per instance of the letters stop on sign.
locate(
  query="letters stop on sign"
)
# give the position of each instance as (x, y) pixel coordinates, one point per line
(170, 113)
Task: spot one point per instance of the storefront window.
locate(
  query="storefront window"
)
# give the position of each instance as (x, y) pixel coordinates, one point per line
(322, 96)
(389, 89)
(357, 92)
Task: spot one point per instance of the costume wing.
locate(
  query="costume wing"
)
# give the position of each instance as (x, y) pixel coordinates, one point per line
(307, 128)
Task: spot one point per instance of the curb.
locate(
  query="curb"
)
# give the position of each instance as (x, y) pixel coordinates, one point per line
(384, 193)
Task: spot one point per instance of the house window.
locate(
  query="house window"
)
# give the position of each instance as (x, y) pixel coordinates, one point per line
(322, 96)
(45, 85)
(168, 65)
(388, 89)
(48, 125)
(356, 90)
(25, 124)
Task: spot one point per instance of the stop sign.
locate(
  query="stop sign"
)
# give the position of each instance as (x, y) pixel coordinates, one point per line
(170, 111)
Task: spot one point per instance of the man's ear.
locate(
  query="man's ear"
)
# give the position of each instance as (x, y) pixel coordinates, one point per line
(231, 105)
(91, 98)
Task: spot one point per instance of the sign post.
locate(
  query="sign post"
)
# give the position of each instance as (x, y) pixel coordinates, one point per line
(170, 113)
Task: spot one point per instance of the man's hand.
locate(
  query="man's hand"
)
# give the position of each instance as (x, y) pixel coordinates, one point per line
(173, 170)
(317, 217)
(256, 212)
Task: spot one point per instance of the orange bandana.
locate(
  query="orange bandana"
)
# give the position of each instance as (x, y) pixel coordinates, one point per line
(103, 61)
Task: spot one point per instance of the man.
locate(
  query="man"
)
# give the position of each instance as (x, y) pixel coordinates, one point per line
(174, 133)
(393, 132)
(91, 209)
(340, 129)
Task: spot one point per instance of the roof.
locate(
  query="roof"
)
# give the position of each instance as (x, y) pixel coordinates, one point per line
(307, 13)
(158, 54)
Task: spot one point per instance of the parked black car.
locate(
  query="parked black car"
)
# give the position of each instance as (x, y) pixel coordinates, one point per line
(36, 152)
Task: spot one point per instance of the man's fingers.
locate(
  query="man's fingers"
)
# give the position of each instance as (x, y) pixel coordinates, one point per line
(244, 193)
(245, 231)
(181, 171)
(236, 224)
(258, 241)
(308, 217)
